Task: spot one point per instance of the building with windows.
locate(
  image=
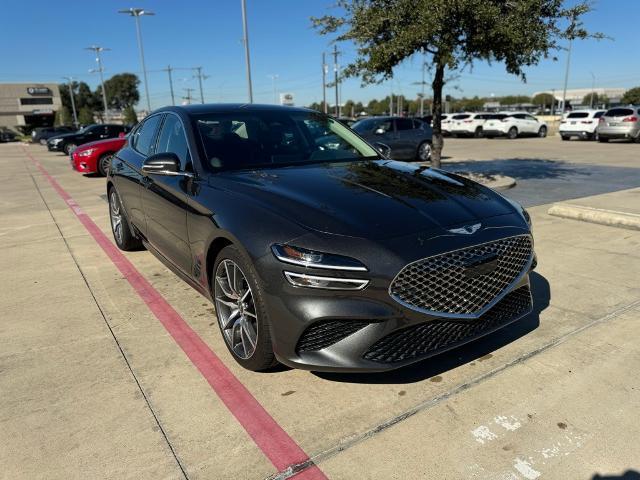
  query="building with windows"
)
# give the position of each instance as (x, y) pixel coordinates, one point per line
(28, 105)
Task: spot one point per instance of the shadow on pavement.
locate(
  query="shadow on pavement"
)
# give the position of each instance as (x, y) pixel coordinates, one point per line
(523, 168)
(628, 475)
(477, 350)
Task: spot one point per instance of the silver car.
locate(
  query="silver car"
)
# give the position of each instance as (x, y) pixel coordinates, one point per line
(620, 122)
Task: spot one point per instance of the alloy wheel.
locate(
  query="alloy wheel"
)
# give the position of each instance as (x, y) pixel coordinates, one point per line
(236, 309)
(424, 152)
(116, 216)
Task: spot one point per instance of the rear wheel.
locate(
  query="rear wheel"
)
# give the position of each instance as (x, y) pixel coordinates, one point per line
(69, 147)
(602, 139)
(242, 316)
(120, 224)
(423, 153)
(103, 164)
(542, 132)
(478, 133)
(564, 137)
(513, 133)
(595, 136)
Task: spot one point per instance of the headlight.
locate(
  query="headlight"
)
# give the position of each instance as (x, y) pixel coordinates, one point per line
(86, 153)
(328, 283)
(312, 259)
(55, 141)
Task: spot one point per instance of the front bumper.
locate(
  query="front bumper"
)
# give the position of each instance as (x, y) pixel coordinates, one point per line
(54, 147)
(368, 330)
(82, 164)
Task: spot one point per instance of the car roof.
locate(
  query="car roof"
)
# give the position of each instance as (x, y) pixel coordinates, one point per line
(229, 107)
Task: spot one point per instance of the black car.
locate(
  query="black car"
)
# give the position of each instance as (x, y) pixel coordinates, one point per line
(7, 135)
(68, 142)
(316, 251)
(42, 134)
(408, 138)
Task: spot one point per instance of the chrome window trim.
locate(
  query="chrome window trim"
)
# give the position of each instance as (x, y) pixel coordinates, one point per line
(479, 313)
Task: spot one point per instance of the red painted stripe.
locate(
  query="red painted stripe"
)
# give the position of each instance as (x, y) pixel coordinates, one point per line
(268, 435)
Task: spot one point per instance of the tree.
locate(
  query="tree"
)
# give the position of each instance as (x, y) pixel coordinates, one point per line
(62, 117)
(543, 100)
(631, 96)
(130, 116)
(452, 34)
(85, 116)
(122, 90)
(588, 100)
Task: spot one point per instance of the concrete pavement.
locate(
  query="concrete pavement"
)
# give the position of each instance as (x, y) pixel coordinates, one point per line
(129, 404)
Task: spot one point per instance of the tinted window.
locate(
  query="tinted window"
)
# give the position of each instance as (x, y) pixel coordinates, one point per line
(254, 139)
(520, 116)
(404, 124)
(619, 112)
(578, 115)
(497, 116)
(173, 139)
(143, 138)
(371, 124)
(460, 117)
(598, 114)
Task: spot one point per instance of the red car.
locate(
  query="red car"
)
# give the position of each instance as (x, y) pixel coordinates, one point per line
(94, 157)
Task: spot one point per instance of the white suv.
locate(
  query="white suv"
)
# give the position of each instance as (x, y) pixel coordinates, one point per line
(513, 125)
(468, 124)
(581, 123)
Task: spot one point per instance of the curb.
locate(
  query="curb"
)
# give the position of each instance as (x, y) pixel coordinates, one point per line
(600, 216)
(501, 183)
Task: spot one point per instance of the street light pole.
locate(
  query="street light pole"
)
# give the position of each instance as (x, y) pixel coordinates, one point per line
(100, 70)
(73, 102)
(274, 77)
(136, 13)
(325, 70)
(245, 40)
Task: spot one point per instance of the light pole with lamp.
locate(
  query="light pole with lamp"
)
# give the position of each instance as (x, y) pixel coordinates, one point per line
(100, 70)
(73, 102)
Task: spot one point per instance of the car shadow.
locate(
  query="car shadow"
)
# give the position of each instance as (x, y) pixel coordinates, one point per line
(477, 350)
(522, 168)
(628, 475)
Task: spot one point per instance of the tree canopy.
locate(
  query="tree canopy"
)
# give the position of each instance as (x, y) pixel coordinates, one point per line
(122, 90)
(632, 96)
(452, 34)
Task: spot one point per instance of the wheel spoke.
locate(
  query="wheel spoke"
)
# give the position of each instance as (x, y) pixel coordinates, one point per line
(232, 318)
(227, 303)
(249, 334)
(227, 292)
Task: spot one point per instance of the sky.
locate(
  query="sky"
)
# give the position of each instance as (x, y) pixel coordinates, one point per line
(44, 41)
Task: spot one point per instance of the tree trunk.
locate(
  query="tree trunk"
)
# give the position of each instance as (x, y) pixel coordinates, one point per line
(437, 140)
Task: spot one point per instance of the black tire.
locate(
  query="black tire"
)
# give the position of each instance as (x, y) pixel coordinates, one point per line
(478, 133)
(103, 164)
(595, 136)
(421, 152)
(69, 147)
(513, 133)
(602, 139)
(490, 137)
(124, 238)
(262, 357)
(542, 133)
(564, 138)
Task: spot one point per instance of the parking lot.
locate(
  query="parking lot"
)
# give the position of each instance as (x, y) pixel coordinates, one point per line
(112, 367)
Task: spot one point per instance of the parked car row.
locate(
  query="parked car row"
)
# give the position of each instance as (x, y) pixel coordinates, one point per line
(89, 149)
(406, 138)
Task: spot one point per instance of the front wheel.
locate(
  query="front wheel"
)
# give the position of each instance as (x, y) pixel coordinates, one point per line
(103, 164)
(564, 137)
(513, 133)
(120, 224)
(423, 153)
(602, 139)
(478, 133)
(242, 316)
(542, 132)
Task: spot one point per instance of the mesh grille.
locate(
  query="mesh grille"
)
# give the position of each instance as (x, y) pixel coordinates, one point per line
(463, 281)
(324, 333)
(429, 337)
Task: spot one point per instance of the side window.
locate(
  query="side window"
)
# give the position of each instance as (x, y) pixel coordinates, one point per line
(173, 139)
(144, 136)
(404, 124)
(531, 117)
(519, 116)
(598, 114)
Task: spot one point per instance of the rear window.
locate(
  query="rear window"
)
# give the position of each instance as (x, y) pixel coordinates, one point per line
(619, 112)
(460, 117)
(578, 115)
(598, 114)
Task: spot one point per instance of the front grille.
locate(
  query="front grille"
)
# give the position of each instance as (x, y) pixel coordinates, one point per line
(429, 337)
(463, 281)
(327, 332)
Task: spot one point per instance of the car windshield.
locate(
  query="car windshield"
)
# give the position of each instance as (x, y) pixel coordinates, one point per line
(367, 125)
(85, 129)
(578, 115)
(262, 139)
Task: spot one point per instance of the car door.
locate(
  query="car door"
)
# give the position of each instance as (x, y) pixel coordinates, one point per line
(164, 198)
(533, 125)
(127, 170)
(406, 140)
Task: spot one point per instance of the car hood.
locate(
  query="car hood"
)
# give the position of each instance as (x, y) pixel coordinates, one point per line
(117, 143)
(62, 135)
(370, 199)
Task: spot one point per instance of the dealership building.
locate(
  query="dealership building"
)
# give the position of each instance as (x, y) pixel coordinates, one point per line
(28, 104)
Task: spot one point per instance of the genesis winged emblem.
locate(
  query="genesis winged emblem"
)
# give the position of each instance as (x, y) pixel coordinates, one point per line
(467, 229)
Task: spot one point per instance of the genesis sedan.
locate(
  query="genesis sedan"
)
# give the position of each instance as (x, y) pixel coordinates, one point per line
(317, 251)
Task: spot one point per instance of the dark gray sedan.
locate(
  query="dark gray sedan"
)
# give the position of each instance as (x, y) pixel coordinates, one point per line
(408, 138)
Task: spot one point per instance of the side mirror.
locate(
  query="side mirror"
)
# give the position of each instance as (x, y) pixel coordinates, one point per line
(165, 163)
(383, 148)
(379, 131)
